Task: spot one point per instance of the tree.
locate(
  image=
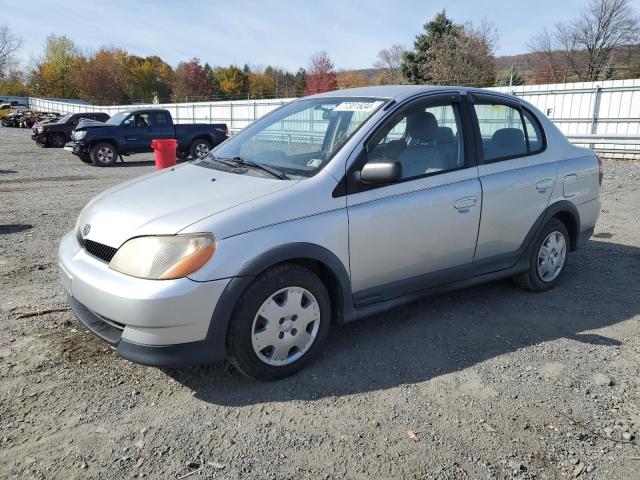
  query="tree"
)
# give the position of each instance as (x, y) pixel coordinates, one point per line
(191, 82)
(144, 79)
(13, 84)
(415, 64)
(586, 46)
(300, 82)
(352, 79)
(511, 77)
(390, 61)
(213, 80)
(452, 54)
(261, 85)
(234, 83)
(321, 77)
(55, 73)
(554, 66)
(100, 77)
(9, 45)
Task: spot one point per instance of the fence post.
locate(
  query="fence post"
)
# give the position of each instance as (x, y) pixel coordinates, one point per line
(231, 115)
(595, 113)
(596, 109)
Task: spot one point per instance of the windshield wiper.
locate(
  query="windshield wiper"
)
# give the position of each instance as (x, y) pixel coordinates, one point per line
(250, 163)
(239, 162)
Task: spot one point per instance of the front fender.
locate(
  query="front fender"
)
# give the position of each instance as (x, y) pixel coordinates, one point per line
(217, 333)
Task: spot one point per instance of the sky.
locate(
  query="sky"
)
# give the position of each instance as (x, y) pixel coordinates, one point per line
(270, 32)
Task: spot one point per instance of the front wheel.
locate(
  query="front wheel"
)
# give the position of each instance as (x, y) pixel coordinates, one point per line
(200, 148)
(104, 154)
(279, 323)
(57, 140)
(548, 258)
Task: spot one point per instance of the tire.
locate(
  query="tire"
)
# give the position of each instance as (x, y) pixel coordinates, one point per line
(199, 148)
(548, 258)
(104, 154)
(57, 140)
(85, 159)
(277, 292)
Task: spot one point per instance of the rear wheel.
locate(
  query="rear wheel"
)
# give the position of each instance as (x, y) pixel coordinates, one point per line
(104, 154)
(279, 323)
(57, 140)
(548, 258)
(200, 148)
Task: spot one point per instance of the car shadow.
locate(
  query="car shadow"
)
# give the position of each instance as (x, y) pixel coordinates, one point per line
(448, 333)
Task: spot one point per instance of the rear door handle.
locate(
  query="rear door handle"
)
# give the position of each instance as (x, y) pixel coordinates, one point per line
(544, 185)
(465, 204)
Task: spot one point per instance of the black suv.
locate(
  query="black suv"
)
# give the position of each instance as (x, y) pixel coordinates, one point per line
(56, 134)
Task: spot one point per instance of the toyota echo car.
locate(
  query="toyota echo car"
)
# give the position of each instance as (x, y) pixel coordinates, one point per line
(330, 208)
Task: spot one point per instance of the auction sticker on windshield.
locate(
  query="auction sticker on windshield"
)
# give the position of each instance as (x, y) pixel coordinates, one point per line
(357, 106)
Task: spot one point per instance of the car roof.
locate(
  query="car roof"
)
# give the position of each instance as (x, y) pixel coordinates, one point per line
(398, 92)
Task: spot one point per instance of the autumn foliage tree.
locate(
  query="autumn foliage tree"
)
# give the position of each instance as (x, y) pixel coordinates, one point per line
(147, 78)
(321, 76)
(351, 79)
(99, 77)
(55, 73)
(191, 82)
(234, 82)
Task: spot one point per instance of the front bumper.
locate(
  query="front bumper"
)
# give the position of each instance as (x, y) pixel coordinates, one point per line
(39, 137)
(155, 322)
(77, 148)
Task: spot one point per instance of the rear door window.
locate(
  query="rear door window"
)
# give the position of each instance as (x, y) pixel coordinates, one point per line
(160, 118)
(506, 131)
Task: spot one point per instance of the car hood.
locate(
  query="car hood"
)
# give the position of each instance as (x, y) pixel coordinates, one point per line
(88, 123)
(163, 203)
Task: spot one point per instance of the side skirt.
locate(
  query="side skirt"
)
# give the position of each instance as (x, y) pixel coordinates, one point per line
(379, 307)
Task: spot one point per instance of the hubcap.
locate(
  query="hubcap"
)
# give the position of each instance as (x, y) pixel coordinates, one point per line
(285, 326)
(551, 256)
(202, 150)
(105, 154)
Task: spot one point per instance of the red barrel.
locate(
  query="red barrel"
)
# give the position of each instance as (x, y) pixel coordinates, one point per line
(164, 152)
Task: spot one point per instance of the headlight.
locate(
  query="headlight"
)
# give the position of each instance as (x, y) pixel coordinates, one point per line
(40, 129)
(79, 135)
(164, 257)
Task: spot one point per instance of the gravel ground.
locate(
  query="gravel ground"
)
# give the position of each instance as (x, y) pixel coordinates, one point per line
(488, 382)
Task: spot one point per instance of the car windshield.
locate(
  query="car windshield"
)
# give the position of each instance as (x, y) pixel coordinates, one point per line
(64, 119)
(117, 118)
(300, 137)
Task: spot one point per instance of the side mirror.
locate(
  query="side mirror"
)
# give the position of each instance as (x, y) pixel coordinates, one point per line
(381, 172)
(127, 123)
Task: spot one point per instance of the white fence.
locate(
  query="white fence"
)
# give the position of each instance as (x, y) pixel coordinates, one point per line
(588, 113)
(236, 114)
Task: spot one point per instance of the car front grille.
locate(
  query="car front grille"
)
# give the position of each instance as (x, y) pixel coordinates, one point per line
(103, 252)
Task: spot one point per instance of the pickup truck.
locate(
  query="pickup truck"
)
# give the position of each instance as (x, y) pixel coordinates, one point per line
(57, 134)
(132, 132)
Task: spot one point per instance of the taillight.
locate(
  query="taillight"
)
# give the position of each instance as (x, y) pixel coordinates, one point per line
(600, 170)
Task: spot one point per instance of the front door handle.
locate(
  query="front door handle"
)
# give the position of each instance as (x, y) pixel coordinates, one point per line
(544, 185)
(465, 204)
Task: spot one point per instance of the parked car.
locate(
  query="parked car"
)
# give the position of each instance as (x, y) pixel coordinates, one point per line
(58, 134)
(131, 132)
(8, 108)
(328, 209)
